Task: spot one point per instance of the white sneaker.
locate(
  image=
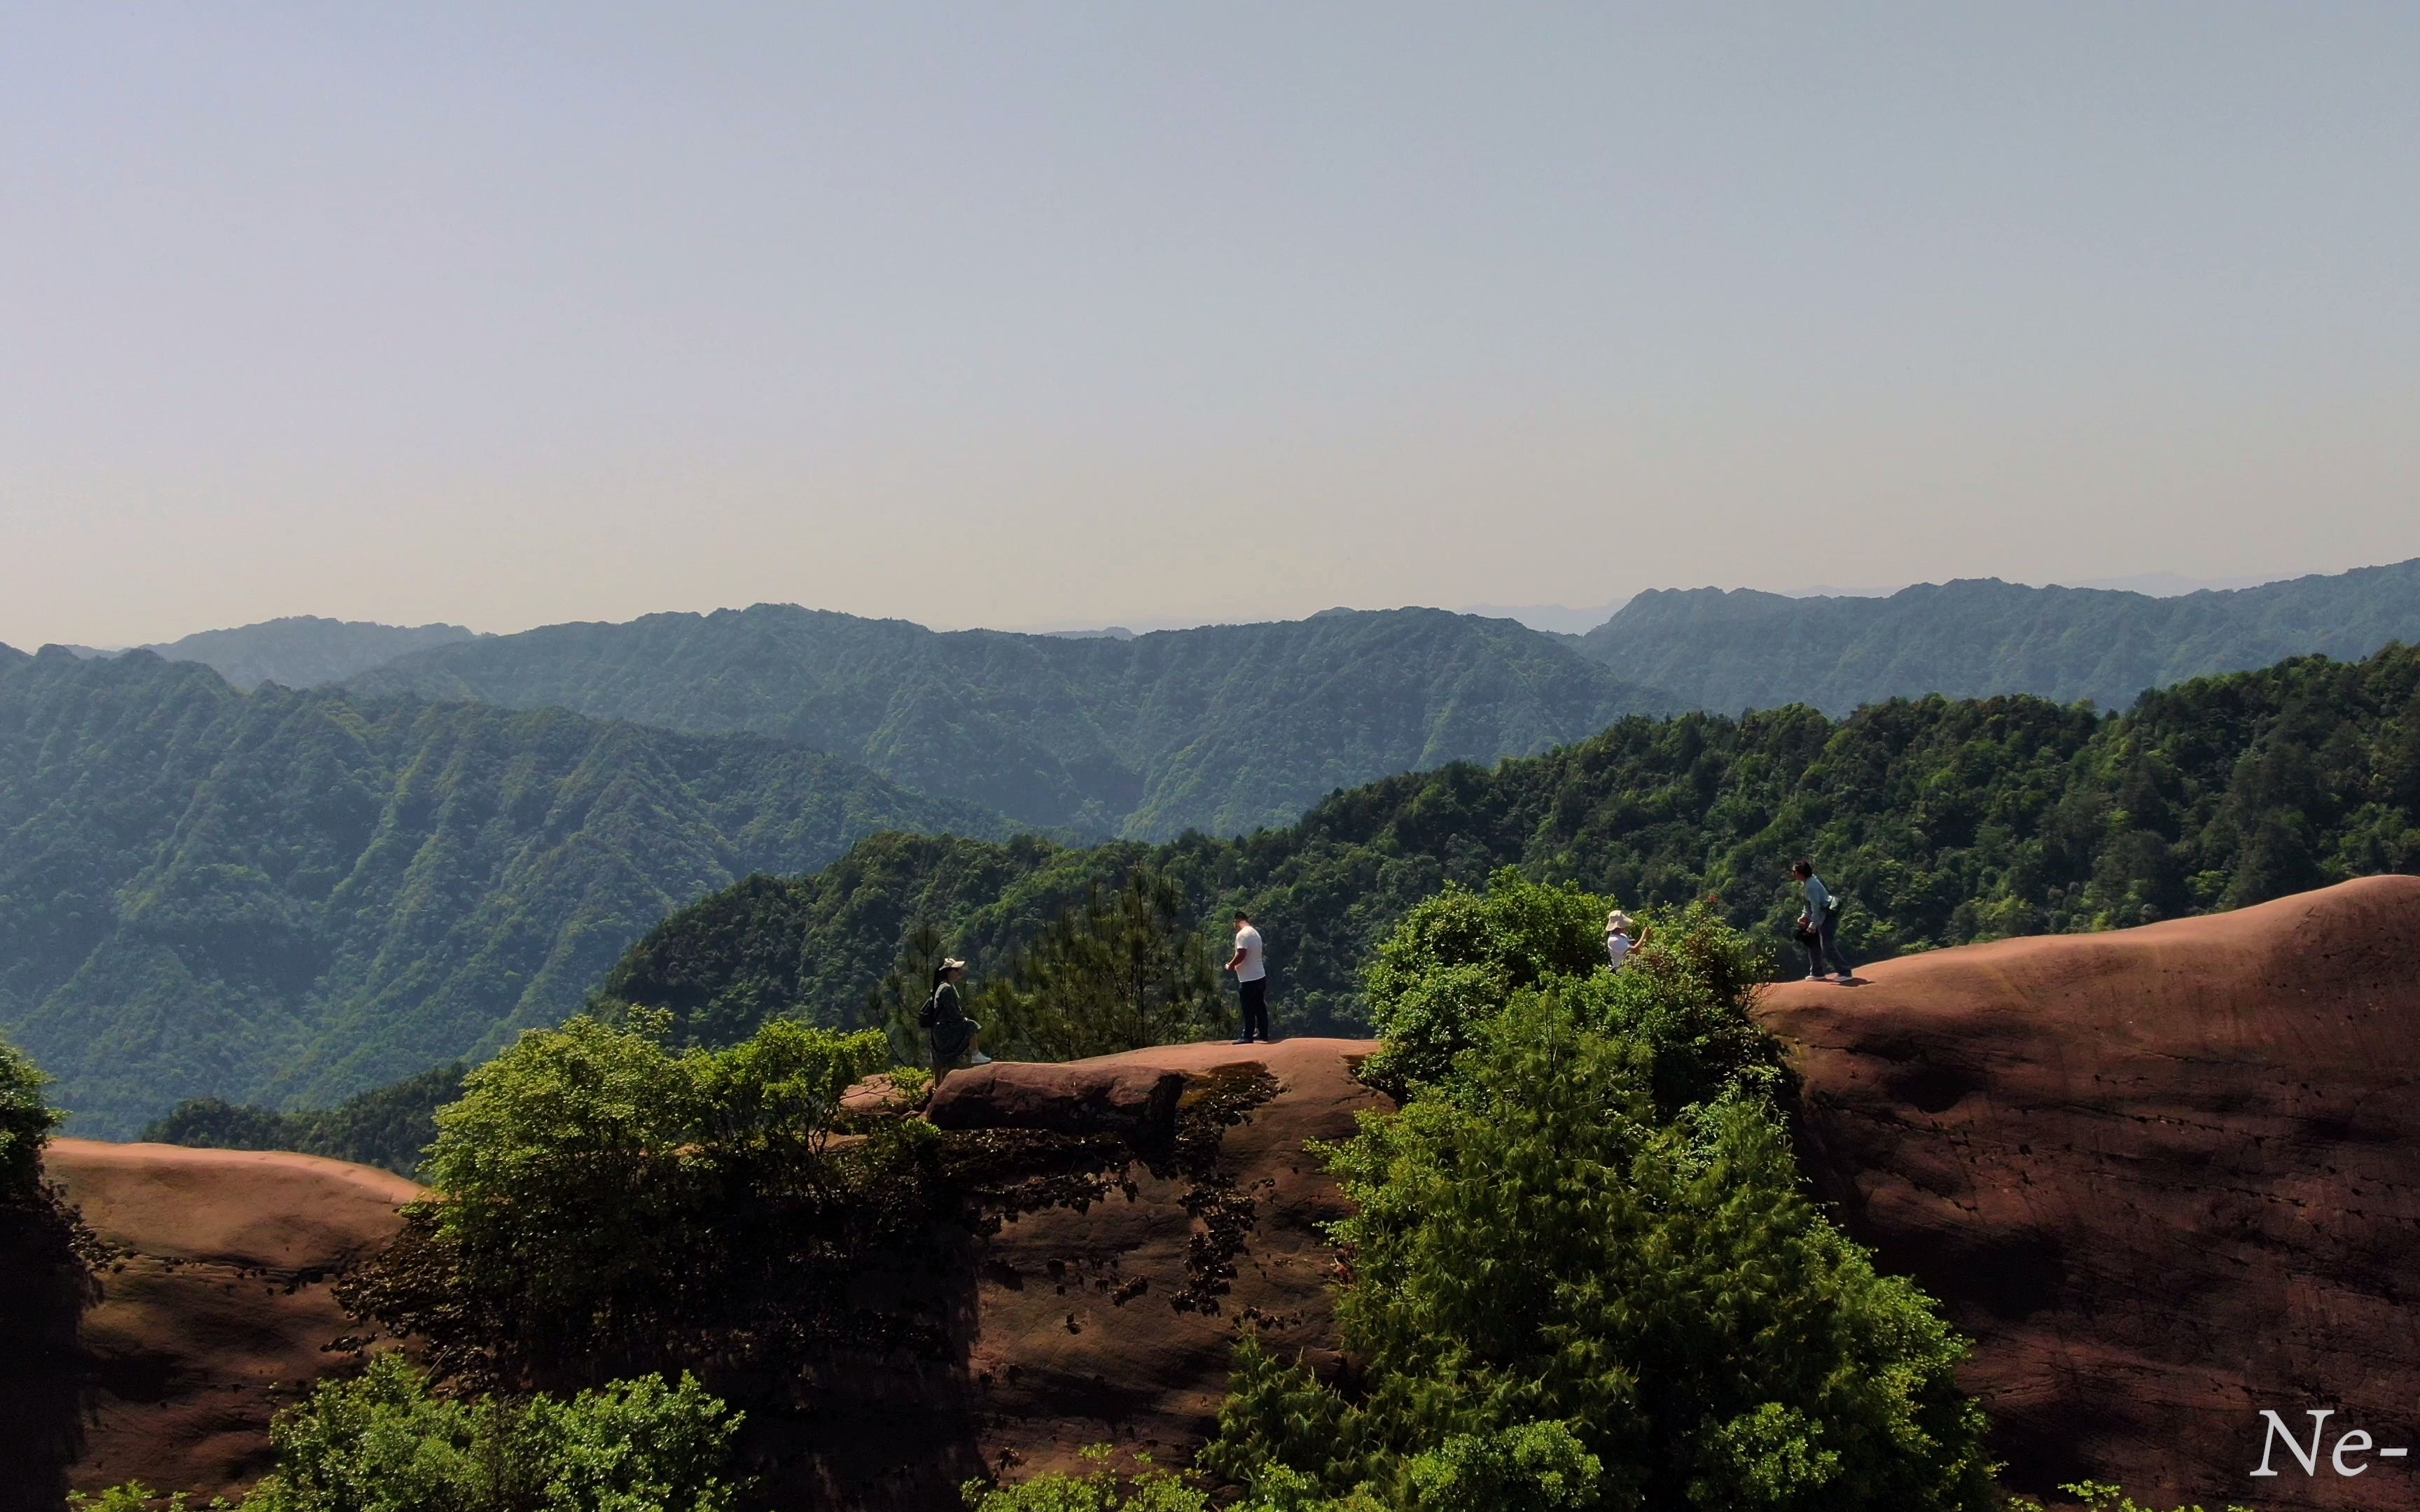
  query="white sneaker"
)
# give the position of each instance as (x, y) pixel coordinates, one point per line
(1816, 976)
(979, 1059)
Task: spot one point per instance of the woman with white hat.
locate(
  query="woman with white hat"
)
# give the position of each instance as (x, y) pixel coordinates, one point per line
(1618, 939)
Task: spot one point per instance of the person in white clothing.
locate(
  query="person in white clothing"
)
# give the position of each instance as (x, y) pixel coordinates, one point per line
(1251, 966)
(1621, 937)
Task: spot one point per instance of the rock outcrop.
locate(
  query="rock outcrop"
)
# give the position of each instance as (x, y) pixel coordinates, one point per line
(1112, 1095)
(216, 1311)
(1112, 1324)
(2164, 1178)
(1069, 1327)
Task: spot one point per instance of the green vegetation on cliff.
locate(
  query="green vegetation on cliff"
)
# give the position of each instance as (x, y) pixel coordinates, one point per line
(1224, 728)
(383, 1442)
(26, 1119)
(1575, 1280)
(606, 1199)
(1970, 639)
(288, 897)
(1943, 821)
(47, 1262)
(388, 1126)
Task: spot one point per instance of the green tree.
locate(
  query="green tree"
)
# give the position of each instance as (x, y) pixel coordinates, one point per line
(1119, 971)
(604, 1199)
(1456, 957)
(384, 1443)
(48, 1261)
(1538, 1253)
(894, 1003)
(388, 1126)
(26, 1119)
(1944, 822)
(1682, 1001)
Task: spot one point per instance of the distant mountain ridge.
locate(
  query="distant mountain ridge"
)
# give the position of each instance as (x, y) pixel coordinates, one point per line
(1223, 728)
(289, 896)
(1742, 649)
(299, 651)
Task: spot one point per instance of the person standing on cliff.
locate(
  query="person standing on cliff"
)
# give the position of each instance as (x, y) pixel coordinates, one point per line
(1819, 927)
(1251, 966)
(955, 1038)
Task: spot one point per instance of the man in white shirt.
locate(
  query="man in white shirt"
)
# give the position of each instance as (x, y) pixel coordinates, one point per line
(1251, 978)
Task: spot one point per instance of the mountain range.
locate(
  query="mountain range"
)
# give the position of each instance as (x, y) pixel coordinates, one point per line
(1223, 729)
(1709, 649)
(287, 896)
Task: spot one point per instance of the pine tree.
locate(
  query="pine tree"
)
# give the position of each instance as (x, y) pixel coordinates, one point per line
(1119, 971)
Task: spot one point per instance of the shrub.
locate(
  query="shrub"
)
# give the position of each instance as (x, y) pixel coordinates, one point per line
(134, 1497)
(1101, 1490)
(2099, 1496)
(1540, 1256)
(1683, 1001)
(382, 1442)
(26, 1119)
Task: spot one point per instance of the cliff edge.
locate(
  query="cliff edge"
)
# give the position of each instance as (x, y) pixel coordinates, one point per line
(2164, 1177)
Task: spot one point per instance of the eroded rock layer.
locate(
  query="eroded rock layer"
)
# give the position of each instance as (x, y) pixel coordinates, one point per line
(216, 1311)
(2164, 1177)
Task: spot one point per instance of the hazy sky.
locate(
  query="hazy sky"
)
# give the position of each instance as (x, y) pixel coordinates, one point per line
(1031, 314)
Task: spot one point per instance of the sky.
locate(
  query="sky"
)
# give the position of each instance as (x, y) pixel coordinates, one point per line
(1039, 315)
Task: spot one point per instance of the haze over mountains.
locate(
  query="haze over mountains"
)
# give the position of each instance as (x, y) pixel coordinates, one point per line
(292, 895)
(1749, 650)
(299, 651)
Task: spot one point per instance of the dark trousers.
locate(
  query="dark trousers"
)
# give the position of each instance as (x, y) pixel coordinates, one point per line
(1827, 943)
(1256, 1009)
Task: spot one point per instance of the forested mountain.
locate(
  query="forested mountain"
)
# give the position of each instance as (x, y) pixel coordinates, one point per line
(1943, 821)
(1224, 728)
(300, 650)
(1748, 650)
(289, 896)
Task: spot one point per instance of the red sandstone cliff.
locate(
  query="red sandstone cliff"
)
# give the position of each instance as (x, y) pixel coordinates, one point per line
(2164, 1178)
(218, 1309)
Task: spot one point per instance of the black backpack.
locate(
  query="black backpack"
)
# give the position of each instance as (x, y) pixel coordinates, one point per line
(928, 1015)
